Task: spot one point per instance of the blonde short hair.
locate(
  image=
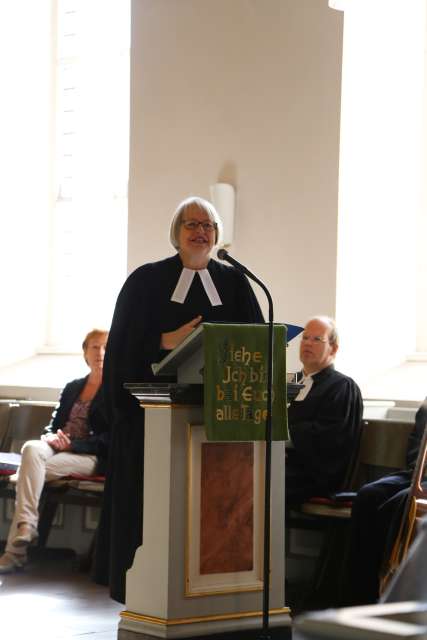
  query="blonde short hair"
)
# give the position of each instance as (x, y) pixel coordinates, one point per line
(203, 205)
(93, 334)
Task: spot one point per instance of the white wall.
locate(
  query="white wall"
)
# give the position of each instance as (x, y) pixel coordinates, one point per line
(246, 92)
(25, 134)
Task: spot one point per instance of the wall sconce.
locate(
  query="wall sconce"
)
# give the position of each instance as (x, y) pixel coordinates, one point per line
(339, 5)
(223, 199)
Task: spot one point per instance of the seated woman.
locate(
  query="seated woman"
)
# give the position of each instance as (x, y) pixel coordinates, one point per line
(76, 441)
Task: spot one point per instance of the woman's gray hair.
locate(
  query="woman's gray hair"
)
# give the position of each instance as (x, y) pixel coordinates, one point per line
(203, 205)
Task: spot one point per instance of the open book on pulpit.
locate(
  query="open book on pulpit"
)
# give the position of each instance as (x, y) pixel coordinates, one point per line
(185, 361)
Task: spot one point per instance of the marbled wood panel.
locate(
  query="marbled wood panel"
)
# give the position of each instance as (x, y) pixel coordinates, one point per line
(227, 505)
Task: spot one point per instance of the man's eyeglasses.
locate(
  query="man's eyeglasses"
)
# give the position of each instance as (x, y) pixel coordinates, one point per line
(315, 339)
(192, 225)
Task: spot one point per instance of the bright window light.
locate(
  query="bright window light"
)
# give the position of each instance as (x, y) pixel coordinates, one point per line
(89, 220)
(381, 182)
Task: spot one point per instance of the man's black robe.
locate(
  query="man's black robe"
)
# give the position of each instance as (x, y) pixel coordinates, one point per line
(143, 312)
(375, 520)
(324, 429)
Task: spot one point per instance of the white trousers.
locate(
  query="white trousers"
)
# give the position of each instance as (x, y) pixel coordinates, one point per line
(40, 464)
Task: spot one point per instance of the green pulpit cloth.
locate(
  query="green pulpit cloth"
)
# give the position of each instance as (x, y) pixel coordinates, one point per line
(235, 381)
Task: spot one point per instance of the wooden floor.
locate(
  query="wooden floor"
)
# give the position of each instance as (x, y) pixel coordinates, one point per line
(53, 600)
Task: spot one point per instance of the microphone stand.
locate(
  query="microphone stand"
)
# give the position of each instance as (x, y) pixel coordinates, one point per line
(224, 255)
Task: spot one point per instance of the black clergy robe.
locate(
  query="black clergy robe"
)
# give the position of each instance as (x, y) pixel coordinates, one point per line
(324, 429)
(375, 521)
(143, 312)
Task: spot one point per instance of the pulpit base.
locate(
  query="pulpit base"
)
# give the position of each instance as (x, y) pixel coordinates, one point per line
(187, 580)
(138, 627)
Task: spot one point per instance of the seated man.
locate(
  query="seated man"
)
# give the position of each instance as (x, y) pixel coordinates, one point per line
(324, 418)
(376, 508)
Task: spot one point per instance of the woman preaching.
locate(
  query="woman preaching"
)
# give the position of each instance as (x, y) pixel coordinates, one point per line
(158, 306)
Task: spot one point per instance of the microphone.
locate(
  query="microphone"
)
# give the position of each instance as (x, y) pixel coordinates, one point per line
(224, 255)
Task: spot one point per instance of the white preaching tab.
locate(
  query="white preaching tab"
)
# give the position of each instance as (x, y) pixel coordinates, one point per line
(184, 283)
(307, 381)
(210, 288)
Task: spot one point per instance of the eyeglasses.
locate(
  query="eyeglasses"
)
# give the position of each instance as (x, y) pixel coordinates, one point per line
(315, 339)
(192, 225)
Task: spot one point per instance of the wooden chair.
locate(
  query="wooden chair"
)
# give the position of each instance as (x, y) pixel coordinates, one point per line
(77, 489)
(25, 421)
(415, 508)
(5, 407)
(381, 450)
